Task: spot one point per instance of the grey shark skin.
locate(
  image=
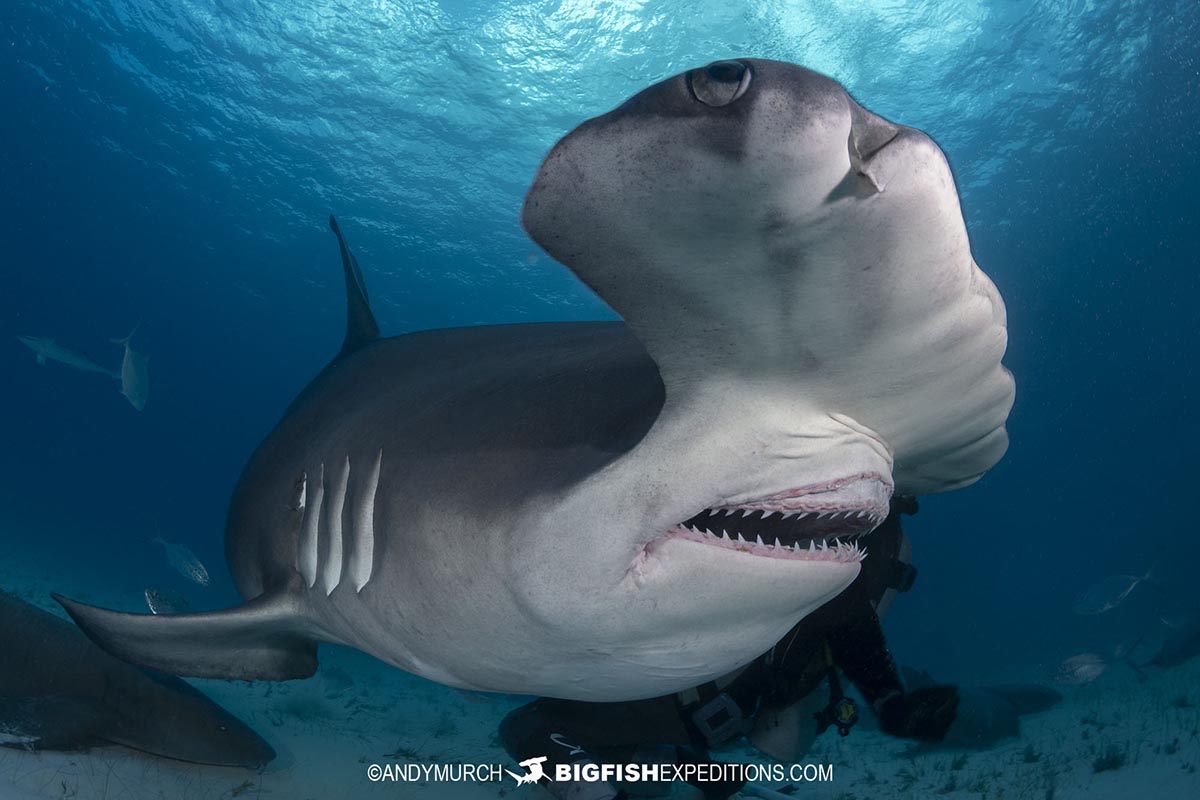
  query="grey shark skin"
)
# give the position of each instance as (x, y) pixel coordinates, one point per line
(502, 508)
(50, 350)
(58, 691)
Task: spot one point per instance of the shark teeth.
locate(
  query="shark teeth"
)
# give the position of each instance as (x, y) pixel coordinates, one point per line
(816, 550)
(782, 527)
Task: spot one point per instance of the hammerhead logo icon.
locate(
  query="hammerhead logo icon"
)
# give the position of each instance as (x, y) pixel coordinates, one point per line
(534, 771)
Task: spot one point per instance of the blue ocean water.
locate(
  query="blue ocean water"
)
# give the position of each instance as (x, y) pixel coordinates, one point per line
(169, 165)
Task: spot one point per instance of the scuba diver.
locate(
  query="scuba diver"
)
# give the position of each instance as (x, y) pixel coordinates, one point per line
(773, 701)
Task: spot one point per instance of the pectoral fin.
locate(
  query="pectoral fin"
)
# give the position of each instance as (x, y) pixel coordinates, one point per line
(267, 638)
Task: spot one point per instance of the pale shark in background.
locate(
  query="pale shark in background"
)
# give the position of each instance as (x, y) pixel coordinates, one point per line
(614, 510)
(135, 373)
(50, 350)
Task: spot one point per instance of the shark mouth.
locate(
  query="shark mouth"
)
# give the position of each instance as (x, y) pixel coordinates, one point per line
(815, 550)
(814, 523)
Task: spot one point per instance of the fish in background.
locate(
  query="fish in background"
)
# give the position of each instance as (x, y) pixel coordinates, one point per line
(50, 350)
(164, 601)
(1110, 593)
(134, 374)
(58, 691)
(183, 560)
(1081, 669)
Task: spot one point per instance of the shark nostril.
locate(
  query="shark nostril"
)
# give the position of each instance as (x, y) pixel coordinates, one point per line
(720, 83)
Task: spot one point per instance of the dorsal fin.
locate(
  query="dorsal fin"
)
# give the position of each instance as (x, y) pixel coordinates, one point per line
(360, 322)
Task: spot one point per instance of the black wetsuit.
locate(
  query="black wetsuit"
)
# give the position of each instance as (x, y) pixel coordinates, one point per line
(844, 632)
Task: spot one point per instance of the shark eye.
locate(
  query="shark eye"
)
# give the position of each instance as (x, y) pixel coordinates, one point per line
(720, 83)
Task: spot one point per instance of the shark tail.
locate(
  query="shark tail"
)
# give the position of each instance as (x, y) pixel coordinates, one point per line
(124, 342)
(267, 638)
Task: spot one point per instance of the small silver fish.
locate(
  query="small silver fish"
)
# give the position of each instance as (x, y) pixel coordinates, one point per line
(1108, 593)
(135, 373)
(184, 561)
(1081, 669)
(164, 601)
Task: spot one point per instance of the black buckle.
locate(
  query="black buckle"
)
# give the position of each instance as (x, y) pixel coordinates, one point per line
(720, 719)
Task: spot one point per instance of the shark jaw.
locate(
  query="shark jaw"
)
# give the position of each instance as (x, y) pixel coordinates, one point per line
(818, 522)
(825, 551)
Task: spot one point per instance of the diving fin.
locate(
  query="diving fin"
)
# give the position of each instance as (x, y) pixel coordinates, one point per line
(266, 638)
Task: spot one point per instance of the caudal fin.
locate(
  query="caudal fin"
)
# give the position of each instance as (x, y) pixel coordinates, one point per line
(266, 639)
(124, 342)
